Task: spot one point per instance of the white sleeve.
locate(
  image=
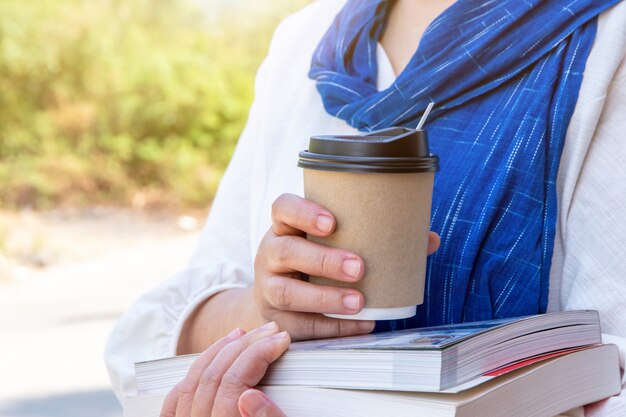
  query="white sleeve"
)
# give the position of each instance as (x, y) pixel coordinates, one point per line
(594, 258)
(222, 260)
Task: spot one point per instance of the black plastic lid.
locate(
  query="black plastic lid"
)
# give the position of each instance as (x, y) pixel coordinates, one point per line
(395, 149)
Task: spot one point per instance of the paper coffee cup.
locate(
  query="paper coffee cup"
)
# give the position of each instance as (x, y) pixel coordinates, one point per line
(379, 188)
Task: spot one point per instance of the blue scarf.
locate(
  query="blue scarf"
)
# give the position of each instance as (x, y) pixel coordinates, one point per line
(505, 77)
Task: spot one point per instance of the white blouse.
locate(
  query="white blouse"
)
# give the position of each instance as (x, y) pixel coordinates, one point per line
(589, 263)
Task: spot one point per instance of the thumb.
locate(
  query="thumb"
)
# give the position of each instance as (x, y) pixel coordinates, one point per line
(433, 242)
(253, 403)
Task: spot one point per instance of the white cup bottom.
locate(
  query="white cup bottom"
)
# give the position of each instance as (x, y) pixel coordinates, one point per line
(378, 314)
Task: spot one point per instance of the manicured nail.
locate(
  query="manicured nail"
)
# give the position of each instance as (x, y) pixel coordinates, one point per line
(268, 326)
(253, 402)
(279, 336)
(235, 334)
(352, 302)
(366, 325)
(324, 223)
(351, 267)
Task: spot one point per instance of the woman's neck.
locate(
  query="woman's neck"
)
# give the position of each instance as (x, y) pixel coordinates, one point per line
(406, 23)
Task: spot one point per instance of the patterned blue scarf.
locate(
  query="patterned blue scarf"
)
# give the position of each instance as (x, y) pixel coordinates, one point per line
(505, 77)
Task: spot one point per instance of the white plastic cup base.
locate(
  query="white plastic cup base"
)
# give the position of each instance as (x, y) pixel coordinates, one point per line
(378, 314)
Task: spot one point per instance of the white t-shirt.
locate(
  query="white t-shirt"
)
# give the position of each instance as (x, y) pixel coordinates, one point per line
(589, 263)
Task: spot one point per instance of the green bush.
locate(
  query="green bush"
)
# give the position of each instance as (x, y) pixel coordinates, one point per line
(124, 101)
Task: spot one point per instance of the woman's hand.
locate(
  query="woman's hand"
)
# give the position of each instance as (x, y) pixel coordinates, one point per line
(220, 381)
(285, 254)
(279, 293)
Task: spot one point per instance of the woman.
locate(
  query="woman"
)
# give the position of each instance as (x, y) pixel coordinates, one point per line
(518, 128)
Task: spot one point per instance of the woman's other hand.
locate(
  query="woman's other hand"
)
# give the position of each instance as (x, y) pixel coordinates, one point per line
(220, 381)
(285, 255)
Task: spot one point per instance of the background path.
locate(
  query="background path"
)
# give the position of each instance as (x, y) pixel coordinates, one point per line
(54, 320)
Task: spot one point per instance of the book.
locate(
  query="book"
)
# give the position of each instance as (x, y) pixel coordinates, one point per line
(544, 388)
(427, 359)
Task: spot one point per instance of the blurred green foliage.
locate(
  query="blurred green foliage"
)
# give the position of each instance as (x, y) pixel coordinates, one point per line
(124, 102)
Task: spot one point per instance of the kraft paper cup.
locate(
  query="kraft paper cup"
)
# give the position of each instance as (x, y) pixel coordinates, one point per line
(379, 188)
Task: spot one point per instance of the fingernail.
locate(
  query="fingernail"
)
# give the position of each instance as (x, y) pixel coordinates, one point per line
(279, 336)
(235, 334)
(268, 326)
(352, 302)
(351, 267)
(324, 223)
(366, 325)
(253, 402)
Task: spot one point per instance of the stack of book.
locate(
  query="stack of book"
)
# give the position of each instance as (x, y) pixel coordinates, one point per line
(539, 365)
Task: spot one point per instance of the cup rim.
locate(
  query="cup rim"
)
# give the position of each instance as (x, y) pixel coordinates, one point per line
(349, 163)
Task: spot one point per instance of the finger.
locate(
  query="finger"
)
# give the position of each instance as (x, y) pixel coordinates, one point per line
(211, 377)
(290, 294)
(305, 326)
(293, 253)
(168, 409)
(254, 403)
(433, 242)
(186, 389)
(293, 215)
(247, 371)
